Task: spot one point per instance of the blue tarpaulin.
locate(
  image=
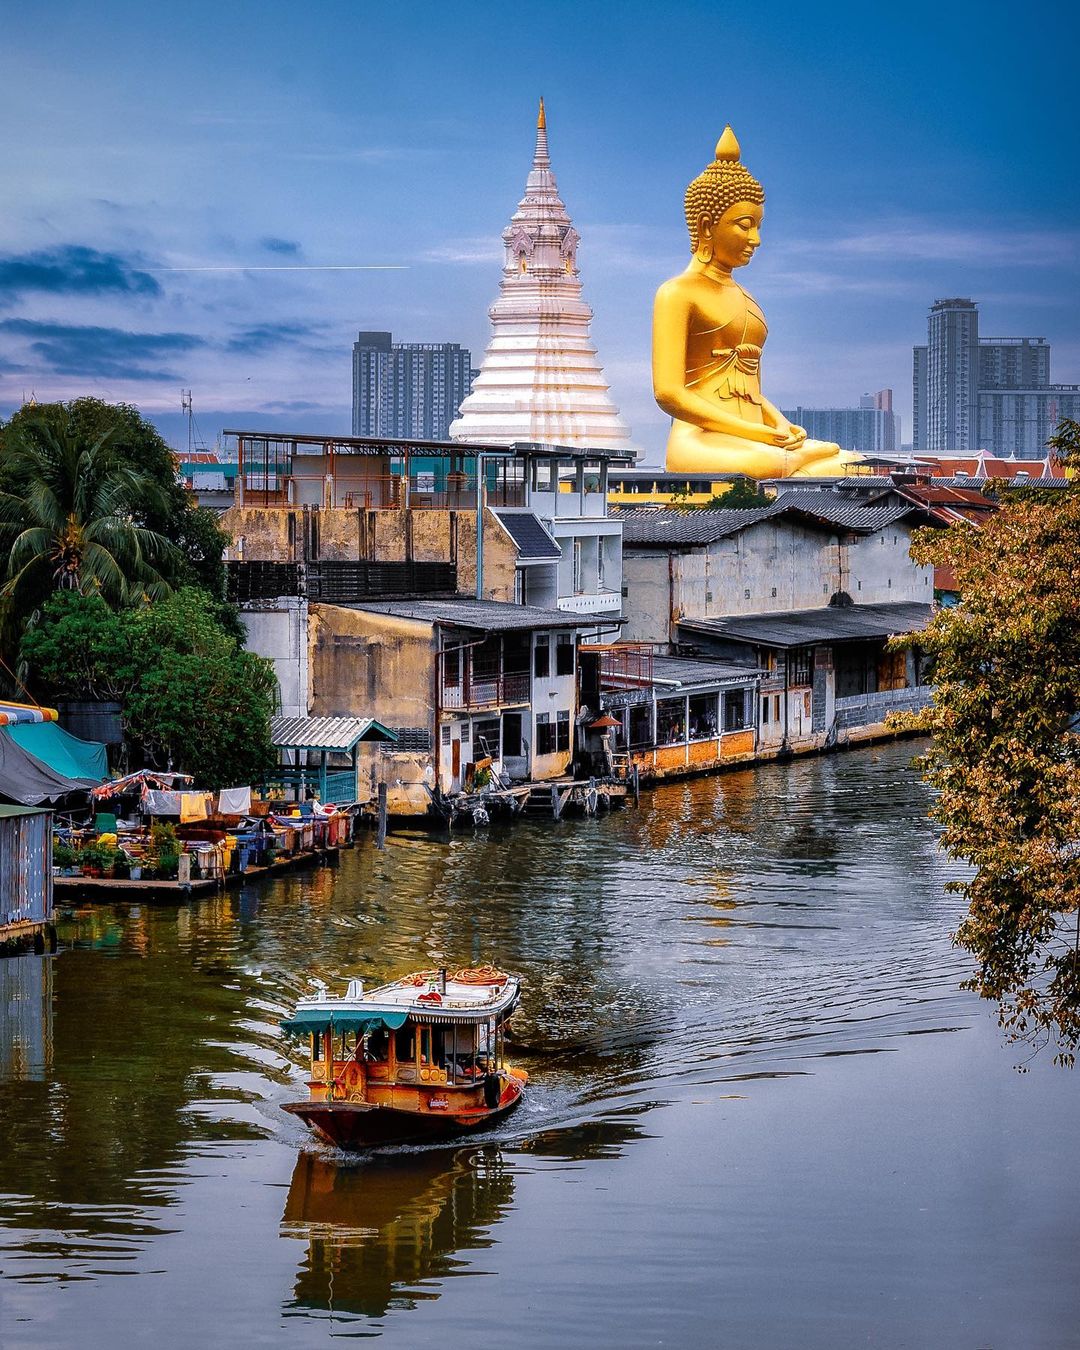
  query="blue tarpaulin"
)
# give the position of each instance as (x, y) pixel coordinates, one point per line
(61, 751)
(311, 1020)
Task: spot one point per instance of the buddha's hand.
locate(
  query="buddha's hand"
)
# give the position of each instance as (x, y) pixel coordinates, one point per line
(796, 437)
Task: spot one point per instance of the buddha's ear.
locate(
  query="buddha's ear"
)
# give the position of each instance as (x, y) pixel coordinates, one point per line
(704, 251)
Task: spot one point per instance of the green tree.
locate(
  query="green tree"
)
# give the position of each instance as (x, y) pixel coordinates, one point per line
(1005, 757)
(743, 495)
(69, 516)
(193, 700)
(171, 511)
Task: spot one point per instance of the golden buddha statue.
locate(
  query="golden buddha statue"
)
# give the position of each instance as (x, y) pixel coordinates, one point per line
(707, 339)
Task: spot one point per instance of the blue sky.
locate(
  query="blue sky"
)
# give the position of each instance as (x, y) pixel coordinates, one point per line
(908, 152)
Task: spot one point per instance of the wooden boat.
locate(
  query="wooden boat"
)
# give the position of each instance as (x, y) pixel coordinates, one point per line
(422, 1058)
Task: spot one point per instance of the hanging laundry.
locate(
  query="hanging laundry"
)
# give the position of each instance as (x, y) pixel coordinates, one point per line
(234, 801)
(154, 803)
(192, 806)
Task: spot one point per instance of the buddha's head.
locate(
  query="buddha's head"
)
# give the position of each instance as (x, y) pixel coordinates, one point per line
(724, 208)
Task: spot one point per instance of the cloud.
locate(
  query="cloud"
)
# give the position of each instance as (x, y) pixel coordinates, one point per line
(926, 241)
(288, 248)
(106, 353)
(264, 337)
(71, 269)
(484, 249)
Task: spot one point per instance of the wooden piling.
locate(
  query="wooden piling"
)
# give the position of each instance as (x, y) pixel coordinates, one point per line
(636, 781)
(380, 837)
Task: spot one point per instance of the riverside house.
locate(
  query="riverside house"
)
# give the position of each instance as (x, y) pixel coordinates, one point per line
(801, 596)
(386, 580)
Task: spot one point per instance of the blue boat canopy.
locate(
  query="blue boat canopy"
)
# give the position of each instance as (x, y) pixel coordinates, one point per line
(311, 1021)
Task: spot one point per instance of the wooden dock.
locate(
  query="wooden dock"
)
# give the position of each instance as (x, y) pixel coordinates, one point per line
(106, 889)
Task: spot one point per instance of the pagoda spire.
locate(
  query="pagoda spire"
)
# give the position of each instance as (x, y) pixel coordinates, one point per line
(541, 158)
(541, 379)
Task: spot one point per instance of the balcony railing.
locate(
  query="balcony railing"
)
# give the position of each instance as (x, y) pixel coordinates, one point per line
(390, 492)
(480, 691)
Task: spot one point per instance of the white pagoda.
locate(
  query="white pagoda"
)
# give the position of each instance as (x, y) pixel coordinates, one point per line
(541, 379)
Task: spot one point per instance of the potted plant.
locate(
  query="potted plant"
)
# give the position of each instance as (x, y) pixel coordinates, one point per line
(167, 865)
(64, 860)
(90, 861)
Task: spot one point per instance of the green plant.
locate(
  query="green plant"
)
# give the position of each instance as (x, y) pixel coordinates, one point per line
(167, 866)
(163, 838)
(64, 856)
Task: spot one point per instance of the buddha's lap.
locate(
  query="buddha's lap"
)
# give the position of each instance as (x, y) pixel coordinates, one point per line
(691, 449)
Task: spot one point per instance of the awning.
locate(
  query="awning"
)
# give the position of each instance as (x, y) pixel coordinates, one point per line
(326, 733)
(10, 713)
(311, 1021)
(61, 751)
(28, 780)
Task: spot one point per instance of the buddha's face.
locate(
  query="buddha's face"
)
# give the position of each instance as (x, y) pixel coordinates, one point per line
(736, 235)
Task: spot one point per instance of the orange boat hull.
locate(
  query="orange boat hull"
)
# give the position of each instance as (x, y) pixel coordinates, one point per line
(358, 1125)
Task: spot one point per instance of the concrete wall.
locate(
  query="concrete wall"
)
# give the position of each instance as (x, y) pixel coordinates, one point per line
(376, 665)
(769, 567)
(279, 632)
(274, 534)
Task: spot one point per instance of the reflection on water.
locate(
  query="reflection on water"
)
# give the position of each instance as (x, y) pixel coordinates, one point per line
(378, 1234)
(752, 930)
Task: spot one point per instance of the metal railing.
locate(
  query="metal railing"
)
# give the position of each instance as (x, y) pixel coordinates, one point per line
(480, 691)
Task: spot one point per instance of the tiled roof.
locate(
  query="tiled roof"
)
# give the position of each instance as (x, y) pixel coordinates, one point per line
(532, 539)
(804, 627)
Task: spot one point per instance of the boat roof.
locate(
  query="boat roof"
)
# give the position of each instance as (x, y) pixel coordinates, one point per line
(467, 999)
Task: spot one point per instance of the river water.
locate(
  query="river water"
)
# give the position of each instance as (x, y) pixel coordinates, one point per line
(762, 1114)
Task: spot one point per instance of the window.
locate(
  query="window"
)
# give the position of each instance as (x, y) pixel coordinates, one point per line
(801, 665)
(543, 476)
(452, 668)
(487, 738)
(592, 472)
(703, 716)
(601, 551)
(562, 730)
(765, 711)
(734, 709)
(446, 734)
(465, 732)
(545, 734)
(578, 569)
(670, 721)
(641, 732)
(564, 654)
(542, 657)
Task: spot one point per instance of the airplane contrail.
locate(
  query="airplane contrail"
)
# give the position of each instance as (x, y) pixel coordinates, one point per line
(305, 267)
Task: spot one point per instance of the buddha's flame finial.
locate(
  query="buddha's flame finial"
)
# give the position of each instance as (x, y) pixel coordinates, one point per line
(540, 158)
(727, 147)
(541, 119)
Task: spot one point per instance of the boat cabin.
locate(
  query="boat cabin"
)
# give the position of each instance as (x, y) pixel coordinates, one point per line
(430, 1043)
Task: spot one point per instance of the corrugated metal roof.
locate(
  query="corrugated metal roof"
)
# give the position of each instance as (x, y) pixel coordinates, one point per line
(705, 525)
(699, 526)
(687, 672)
(804, 627)
(486, 616)
(534, 543)
(326, 733)
(862, 517)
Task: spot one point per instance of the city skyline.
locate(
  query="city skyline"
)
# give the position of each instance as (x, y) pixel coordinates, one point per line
(118, 186)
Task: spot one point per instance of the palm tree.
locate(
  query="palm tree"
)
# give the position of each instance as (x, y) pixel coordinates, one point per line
(69, 517)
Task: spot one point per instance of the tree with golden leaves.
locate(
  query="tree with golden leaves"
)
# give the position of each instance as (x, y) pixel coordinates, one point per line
(1005, 757)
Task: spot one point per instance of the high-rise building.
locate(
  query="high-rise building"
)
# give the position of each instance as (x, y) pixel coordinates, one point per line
(411, 389)
(952, 375)
(871, 428)
(919, 394)
(994, 394)
(541, 379)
